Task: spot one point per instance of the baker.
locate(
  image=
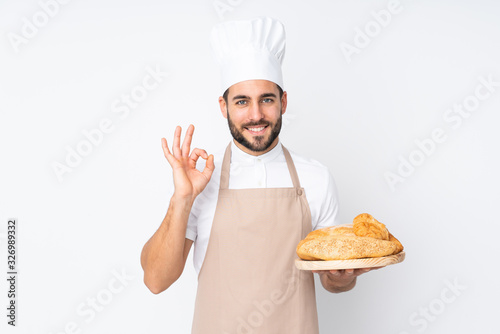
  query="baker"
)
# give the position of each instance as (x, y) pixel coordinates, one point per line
(249, 207)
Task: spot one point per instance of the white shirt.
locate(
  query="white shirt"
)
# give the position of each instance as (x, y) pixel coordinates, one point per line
(268, 170)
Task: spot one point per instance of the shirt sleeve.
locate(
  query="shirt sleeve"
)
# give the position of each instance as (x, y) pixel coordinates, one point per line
(192, 225)
(329, 208)
(191, 231)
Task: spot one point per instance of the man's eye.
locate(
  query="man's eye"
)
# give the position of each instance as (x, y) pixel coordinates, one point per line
(267, 100)
(241, 102)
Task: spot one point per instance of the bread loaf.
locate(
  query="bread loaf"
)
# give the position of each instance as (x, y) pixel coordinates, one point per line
(366, 237)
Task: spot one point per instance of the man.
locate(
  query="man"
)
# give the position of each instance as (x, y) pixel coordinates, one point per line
(247, 211)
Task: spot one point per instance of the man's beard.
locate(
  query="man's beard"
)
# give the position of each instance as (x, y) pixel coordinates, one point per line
(259, 144)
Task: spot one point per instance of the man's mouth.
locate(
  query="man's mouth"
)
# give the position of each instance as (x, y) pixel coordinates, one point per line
(256, 130)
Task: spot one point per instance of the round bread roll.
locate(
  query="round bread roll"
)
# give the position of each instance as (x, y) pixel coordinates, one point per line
(365, 225)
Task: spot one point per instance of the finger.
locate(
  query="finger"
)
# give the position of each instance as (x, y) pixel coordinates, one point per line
(209, 167)
(195, 155)
(335, 273)
(321, 272)
(177, 139)
(166, 151)
(364, 270)
(164, 146)
(348, 272)
(186, 144)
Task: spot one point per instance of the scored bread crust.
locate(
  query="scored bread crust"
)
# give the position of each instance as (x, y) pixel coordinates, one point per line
(337, 230)
(343, 247)
(365, 238)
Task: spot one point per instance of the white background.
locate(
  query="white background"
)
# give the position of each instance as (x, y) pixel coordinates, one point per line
(358, 115)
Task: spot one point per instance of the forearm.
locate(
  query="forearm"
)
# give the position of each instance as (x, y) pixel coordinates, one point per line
(163, 257)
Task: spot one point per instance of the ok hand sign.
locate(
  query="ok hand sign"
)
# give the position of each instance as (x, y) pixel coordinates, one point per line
(188, 181)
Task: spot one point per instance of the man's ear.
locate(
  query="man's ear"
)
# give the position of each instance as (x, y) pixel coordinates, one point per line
(223, 106)
(284, 102)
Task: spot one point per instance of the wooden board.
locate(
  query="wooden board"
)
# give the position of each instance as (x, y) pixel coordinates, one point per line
(350, 264)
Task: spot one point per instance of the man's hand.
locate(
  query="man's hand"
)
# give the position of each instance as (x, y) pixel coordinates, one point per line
(340, 280)
(188, 181)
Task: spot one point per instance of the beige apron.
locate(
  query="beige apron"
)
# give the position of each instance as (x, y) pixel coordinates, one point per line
(248, 283)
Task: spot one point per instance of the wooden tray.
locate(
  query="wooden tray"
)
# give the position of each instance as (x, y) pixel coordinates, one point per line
(350, 264)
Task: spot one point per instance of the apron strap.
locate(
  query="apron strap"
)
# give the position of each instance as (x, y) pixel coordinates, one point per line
(291, 168)
(226, 164)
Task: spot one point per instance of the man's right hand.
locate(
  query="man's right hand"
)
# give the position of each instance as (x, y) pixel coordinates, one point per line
(189, 182)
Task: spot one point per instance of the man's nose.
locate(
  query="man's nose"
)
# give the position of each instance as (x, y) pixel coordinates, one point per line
(255, 112)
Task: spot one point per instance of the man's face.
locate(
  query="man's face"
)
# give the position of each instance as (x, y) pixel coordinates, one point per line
(254, 112)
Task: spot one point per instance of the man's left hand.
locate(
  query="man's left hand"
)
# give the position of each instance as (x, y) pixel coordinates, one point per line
(340, 280)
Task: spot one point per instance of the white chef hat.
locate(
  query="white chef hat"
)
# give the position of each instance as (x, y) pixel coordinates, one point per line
(249, 50)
